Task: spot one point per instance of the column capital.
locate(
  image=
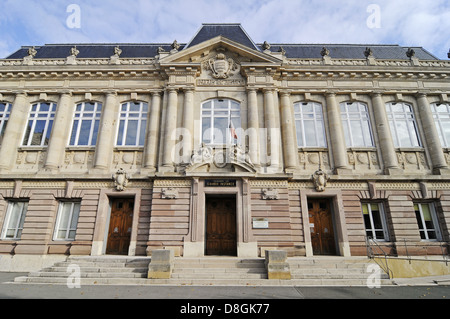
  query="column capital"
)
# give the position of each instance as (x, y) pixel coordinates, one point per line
(21, 93)
(376, 93)
(422, 93)
(110, 92)
(268, 90)
(65, 92)
(285, 92)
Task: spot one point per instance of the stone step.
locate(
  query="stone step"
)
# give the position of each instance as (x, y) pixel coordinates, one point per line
(52, 274)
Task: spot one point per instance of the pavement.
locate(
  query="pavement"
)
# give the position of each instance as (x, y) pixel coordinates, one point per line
(405, 288)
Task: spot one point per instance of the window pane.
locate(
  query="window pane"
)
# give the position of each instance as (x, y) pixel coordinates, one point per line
(131, 133)
(121, 131)
(85, 131)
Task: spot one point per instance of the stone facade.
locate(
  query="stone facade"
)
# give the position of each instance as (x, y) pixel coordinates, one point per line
(270, 173)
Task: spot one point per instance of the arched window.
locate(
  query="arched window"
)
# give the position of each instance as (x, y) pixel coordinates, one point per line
(403, 125)
(441, 116)
(132, 124)
(221, 122)
(309, 125)
(40, 123)
(356, 124)
(85, 124)
(5, 111)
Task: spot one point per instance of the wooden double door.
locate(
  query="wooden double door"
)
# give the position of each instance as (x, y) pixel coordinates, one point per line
(321, 227)
(221, 226)
(120, 224)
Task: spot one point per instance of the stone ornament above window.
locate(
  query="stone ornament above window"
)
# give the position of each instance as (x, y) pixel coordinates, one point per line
(269, 194)
(320, 179)
(221, 66)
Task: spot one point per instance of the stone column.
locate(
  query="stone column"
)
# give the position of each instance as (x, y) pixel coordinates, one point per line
(105, 142)
(272, 132)
(60, 131)
(151, 148)
(433, 142)
(384, 135)
(188, 125)
(253, 127)
(287, 132)
(14, 131)
(337, 138)
(169, 132)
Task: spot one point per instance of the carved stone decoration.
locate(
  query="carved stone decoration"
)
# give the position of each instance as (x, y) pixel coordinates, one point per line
(169, 193)
(269, 193)
(320, 179)
(368, 52)
(117, 51)
(74, 51)
(32, 52)
(325, 52)
(202, 155)
(221, 67)
(121, 179)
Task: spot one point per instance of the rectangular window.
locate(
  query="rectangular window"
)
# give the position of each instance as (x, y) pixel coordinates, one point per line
(40, 122)
(441, 116)
(85, 124)
(356, 124)
(15, 218)
(132, 124)
(427, 221)
(66, 224)
(309, 125)
(5, 111)
(403, 125)
(375, 221)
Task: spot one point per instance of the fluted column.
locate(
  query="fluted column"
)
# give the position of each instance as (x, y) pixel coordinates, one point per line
(152, 140)
(188, 125)
(287, 132)
(431, 134)
(60, 131)
(253, 127)
(384, 134)
(272, 132)
(337, 138)
(14, 130)
(105, 143)
(169, 132)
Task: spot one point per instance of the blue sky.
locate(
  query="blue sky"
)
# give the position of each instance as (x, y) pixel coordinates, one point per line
(403, 22)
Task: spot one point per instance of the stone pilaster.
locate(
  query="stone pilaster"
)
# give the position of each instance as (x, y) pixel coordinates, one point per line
(152, 140)
(105, 142)
(169, 132)
(287, 132)
(60, 132)
(337, 139)
(384, 135)
(14, 131)
(433, 142)
(253, 128)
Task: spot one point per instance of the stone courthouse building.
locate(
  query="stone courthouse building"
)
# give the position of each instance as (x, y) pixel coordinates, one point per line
(223, 147)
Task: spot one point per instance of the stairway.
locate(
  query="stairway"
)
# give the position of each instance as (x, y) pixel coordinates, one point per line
(101, 270)
(334, 271)
(207, 271)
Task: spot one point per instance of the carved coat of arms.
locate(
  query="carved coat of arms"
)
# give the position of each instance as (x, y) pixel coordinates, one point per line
(221, 66)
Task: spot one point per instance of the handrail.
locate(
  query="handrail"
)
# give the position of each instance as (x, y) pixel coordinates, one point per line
(371, 254)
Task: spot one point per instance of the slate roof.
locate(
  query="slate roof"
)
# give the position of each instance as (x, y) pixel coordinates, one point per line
(232, 31)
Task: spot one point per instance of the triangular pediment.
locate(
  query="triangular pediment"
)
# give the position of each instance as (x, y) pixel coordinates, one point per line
(201, 52)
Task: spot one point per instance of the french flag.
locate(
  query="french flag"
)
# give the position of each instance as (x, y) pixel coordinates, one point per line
(233, 131)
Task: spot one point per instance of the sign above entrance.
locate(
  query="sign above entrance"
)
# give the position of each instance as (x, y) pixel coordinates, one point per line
(220, 183)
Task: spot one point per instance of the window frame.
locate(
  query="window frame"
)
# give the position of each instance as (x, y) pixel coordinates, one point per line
(67, 228)
(82, 117)
(363, 117)
(300, 117)
(37, 115)
(125, 118)
(231, 118)
(409, 118)
(4, 118)
(434, 220)
(18, 228)
(383, 219)
(439, 120)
